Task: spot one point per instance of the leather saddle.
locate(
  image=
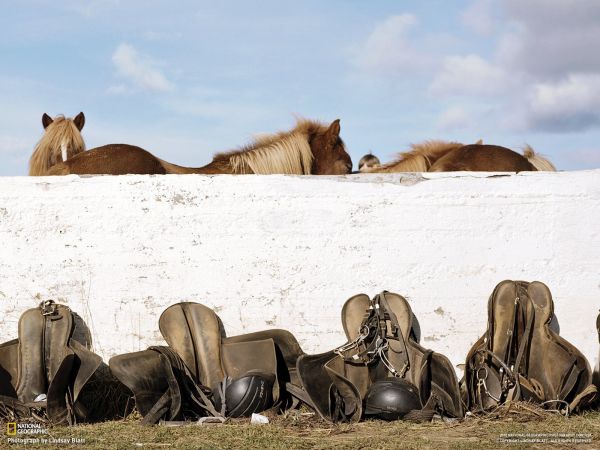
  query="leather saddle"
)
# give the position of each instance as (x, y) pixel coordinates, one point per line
(44, 371)
(520, 357)
(178, 382)
(381, 344)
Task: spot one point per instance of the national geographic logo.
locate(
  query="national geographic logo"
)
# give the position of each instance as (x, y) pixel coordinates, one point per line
(11, 429)
(14, 428)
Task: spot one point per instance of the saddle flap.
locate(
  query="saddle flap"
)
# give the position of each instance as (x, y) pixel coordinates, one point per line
(195, 332)
(502, 315)
(401, 309)
(444, 384)
(56, 339)
(31, 380)
(147, 374)
(87, 363)
(286, 345)
(241, 358)
(345, 392)
(60, 401)
(9, 355)
(332, 395)
(353, 314)
(558, 365)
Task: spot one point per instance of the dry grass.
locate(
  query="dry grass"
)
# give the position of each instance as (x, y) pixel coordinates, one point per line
(303, 431)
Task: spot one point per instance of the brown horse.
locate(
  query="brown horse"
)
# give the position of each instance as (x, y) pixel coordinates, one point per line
(442, 156)
(61, 141)
(309, 148)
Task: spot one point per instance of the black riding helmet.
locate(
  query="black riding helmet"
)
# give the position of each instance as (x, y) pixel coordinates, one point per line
(391, 399)
(249, 394)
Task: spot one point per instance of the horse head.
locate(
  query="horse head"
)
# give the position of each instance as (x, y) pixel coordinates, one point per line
(329, 153)
(61, 141)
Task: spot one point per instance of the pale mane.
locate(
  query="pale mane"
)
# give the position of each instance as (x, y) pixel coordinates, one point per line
(284, 153)
(420, 158)
(61, 135)
(537, 160)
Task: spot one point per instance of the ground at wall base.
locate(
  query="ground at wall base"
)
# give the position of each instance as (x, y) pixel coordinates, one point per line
(305, 432)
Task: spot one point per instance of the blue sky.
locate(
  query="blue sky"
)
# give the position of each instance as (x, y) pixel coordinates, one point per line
(186, 79)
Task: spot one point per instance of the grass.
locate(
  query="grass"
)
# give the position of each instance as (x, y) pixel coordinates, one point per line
(303, 431)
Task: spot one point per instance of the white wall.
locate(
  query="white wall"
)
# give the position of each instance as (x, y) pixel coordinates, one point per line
(281, 251)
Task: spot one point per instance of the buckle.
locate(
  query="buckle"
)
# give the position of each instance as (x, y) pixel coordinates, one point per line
(48, 307)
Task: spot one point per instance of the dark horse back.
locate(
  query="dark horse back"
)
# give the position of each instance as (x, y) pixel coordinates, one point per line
(482, 158)
(113, 159)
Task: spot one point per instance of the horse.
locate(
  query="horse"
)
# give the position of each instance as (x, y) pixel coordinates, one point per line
(444, 156)
(309, 148)
(367, 162)
(61, 141)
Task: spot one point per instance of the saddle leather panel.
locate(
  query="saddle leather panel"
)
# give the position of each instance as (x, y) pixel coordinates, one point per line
(285, 343)
(195, 332)
(520, 356)
(324, 379)
(31, 380)
(353, 313)
(352, 399)
(380, 345)
(144, 373)
(501, 316)
(9, 354)
(241, 358)
(56, 338)
(569, 371)
(444, 384)
(88, 363)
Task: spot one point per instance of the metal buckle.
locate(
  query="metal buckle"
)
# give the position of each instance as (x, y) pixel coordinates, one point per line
(48, 307)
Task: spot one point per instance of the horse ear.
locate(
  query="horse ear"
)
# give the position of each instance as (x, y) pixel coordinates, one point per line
(46, 120)
(333, 132)
(79, 121)
(479, 142)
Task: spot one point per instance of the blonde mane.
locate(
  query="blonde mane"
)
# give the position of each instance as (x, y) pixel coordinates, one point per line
(285, 152)
(61, 136)
(538, 161)
(420, 158)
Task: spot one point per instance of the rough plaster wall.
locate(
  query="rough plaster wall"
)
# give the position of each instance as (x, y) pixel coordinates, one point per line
(286, 252)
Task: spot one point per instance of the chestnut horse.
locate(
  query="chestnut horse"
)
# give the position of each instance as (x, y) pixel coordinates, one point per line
(61, 141)
(442, 156)
(309, 148)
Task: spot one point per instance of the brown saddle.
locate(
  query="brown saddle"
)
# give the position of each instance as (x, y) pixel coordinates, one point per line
(381, 345)
(520, 357)
(178, 382)
(43, 373)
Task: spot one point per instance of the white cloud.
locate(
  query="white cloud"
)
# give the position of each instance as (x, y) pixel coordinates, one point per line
(551, 38)
(478, 17)
(468, 75)
(453, 118)
(388, 47)
(570, 104)
(139, 70)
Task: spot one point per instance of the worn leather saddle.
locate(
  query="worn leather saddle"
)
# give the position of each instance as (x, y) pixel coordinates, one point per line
(520, 357)
(179, 382)
(381, 345)
(45, 370)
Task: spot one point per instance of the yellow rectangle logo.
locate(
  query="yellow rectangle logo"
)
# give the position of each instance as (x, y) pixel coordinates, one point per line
(11, 428)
